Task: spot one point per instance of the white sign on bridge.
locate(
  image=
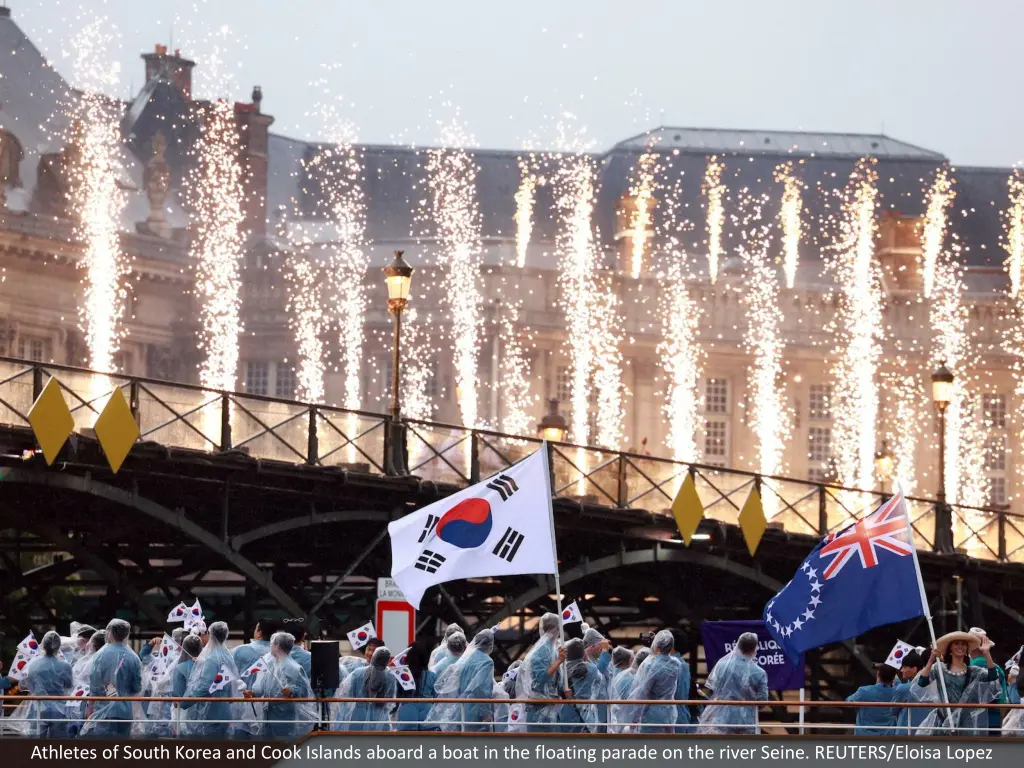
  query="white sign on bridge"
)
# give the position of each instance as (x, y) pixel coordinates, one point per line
(387, 589)
(396, 619)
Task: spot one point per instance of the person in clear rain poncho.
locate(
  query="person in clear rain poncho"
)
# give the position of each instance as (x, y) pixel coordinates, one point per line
(413, 712)
(471, 677)
(284, 678)
(80, 672)
(214, 675)
(619, 690)
(599, 653)
(369, 682)
(47, 674)
(585, 681)
(77, 646)
(442, 650)
(455, 645)
(539, 677)
(965, 684)
(246, 655)
(657, 678)
(1013, 723)
(116, 671)
(736, 677)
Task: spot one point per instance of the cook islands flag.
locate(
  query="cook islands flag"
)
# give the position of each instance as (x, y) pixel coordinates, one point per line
(499, 527)
(860, 578)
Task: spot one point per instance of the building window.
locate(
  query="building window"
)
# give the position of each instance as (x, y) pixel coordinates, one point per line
(997, 491)
(33, 348)
(716, 395)
(994, 407)
(716, 442)
(995, 454)
(820, 402)
(257, 378)
(431, 388)
(284, 384)
(818, 475)
(563, 384)
(819, 445)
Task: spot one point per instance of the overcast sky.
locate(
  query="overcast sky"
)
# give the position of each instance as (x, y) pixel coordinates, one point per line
(943, 74)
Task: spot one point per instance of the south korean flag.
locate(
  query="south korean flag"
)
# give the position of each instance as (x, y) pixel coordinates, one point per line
(499, 527)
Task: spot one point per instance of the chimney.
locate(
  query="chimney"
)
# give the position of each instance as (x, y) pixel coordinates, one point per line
(172, 65)
(254, 138)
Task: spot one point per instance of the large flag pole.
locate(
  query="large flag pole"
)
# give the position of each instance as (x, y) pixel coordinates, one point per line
(554, 551)
(924, 597)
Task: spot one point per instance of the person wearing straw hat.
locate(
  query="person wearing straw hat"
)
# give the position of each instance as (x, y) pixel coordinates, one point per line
(995, 716)
(963, 683)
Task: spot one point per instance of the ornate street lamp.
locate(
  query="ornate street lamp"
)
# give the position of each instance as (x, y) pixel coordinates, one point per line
(553, 426)
(942, 395)
(885, 464)
(398, 277)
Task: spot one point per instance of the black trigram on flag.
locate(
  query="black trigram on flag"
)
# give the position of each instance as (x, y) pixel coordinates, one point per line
(504, 485)
(428, 527)
(429, 561)
(508, 546)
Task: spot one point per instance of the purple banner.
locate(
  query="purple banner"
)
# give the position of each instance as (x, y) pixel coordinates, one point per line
(719, 638)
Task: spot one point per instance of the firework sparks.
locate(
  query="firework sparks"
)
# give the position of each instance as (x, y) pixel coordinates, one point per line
(790, 213)
(416, 369)
(607, 375)
(525, 199)
(217, 246)
(763, 341)
(305, 315)
(97, 198)
(679, 352)
(859, 330)
(1015, 232)
(515, 374)
(642, 192)
(714, 190)
(933, 232)
(452, 180)
(904, 414)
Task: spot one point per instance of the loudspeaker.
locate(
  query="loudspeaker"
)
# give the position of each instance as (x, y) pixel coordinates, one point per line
(323, 665)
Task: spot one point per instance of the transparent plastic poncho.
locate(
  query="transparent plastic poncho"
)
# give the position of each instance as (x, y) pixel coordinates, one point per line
(971, 686)
(736, 677)
(533, 680)
(214, 675)
(368, 682)
(471, 677)
(284, 678)
(585, 682)
(656, 678)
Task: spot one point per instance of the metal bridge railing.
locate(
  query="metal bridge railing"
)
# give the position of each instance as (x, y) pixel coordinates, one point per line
(190, 417)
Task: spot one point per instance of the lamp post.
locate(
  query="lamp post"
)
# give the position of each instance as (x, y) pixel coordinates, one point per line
(398, 278)
(942, 396)
(885, 464)
(553, 427)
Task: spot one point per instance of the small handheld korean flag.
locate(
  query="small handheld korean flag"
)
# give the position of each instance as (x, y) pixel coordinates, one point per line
(399, 660)
(260, 665)
(499, 527)
(898, 653)
(361, 636)
(168, 651)
(177, 614)
(222, 679)
(19, 666)
(194, 616)
(29, 646)
(571, 614)
(404, 677)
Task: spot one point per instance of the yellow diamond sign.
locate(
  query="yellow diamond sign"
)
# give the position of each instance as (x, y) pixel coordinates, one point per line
(752, 520)
(687, 509)
(51, 420)
(116, 429)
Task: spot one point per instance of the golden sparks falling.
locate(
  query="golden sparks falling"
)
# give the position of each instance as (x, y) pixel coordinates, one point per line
(790, 216)
(607, 376)
(525, 198)
(97, 198)
(452, 173)
(933, 233)
(714, 190)
(768, 412)
(1015, 232)
(516, 417)
(904, 416)
(679, 352)
(305, 276)
(859, 331)
(642, 193)
(217, 242)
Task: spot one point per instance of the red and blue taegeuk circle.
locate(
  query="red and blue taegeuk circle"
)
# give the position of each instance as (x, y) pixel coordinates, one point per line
(362, 635)
(466, 525)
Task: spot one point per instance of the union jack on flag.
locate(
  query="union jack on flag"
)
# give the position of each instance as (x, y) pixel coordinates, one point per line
(885, 528)
(828, 600)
